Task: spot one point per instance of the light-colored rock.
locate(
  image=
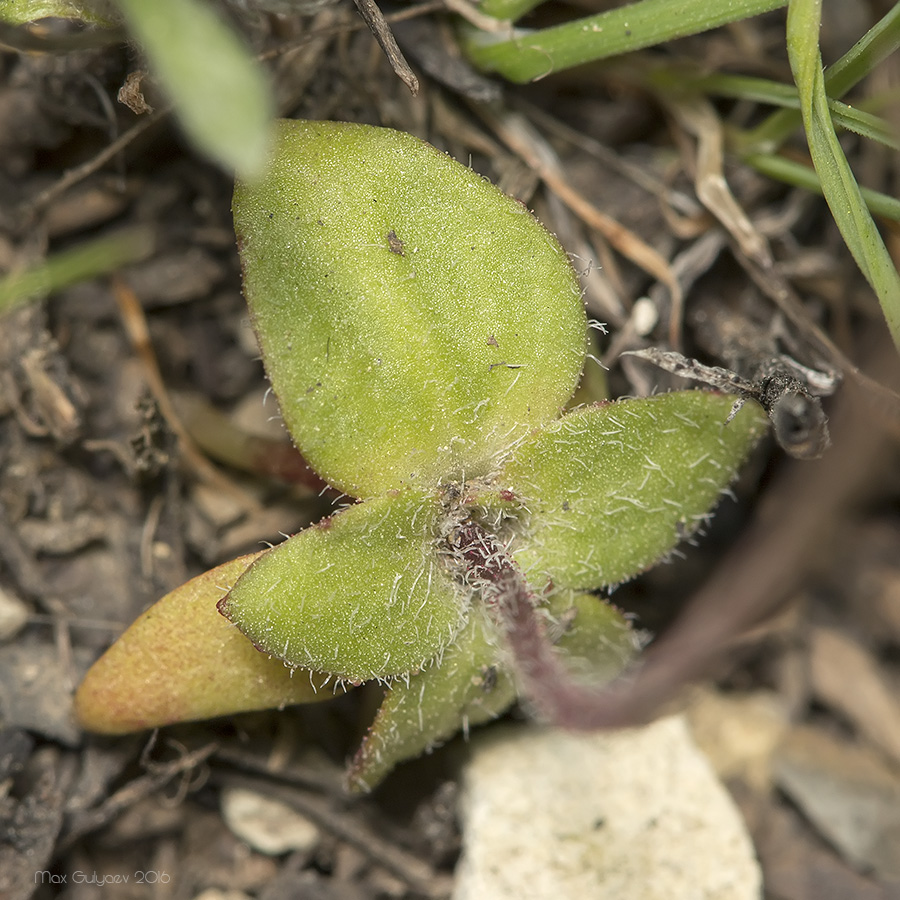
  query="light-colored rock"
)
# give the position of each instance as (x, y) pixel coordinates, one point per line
(216, 894)
(13, 615)
(267, 825)
(630, 815)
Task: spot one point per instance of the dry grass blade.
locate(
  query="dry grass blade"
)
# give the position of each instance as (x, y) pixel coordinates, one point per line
(847, 678)
(136, 326)
(776, 288)
(79, 173)
(697, 116)
(471, 13)
(141, 787)
(345, 826)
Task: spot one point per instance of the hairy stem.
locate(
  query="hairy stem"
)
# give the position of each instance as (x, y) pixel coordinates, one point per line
(547, 683)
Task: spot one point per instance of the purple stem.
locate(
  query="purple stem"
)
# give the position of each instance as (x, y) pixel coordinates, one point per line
(547, 682)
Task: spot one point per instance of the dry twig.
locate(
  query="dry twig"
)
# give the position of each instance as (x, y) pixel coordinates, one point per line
(379, 27)
(136, 326)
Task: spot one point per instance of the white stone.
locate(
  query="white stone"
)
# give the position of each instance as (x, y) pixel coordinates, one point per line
(644, 316)
(13, 615)
(628, 815)
(216, 894)
(267, 825)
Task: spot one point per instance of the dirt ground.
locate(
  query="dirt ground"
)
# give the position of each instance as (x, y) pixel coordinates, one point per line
(103, 508)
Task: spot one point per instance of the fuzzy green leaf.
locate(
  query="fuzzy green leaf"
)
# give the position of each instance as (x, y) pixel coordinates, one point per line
(182, 661)
(473, 684)
(415, 322)
(610, 489)
(361, 595)
(466, 687)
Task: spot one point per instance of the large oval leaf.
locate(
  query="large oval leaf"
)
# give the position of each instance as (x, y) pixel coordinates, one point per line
(361, 595)
(610, 489)
(414, 321)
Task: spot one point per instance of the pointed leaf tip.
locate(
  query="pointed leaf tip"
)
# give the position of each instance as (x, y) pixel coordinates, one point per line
(611, 489)
(182, 661)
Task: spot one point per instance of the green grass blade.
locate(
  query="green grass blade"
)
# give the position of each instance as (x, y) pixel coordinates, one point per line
(531, 55)
(879, 42)
(791, 172)
(739, 87)
(762, 90)
(93, 258)
(876, 45)
(863, 123)
(220, 93)
(841, 191)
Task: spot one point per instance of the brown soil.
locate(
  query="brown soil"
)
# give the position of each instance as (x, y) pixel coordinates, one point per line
(103, 508)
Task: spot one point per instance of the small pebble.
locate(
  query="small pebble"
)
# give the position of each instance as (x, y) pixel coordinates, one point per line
(267, 825)
(218, 894)
(13, 615)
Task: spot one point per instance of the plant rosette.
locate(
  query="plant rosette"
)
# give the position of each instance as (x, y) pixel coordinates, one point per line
(423, 333)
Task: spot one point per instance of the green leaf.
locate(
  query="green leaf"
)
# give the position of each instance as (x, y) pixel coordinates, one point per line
(182, 661)
(86, 261)
(876, 45)
(838, 184)
(472, 683)
(534, 54)
(764, 90)
(360, 595)
(610, 489)
(220, 93)
(508, 10)
(803, 176)
(20, 12)
(415, 322)
(467, 687)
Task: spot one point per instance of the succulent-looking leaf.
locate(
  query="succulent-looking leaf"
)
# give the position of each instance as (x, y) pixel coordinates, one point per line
(610, 489)
(181, 660)
(414, 320)
(360, 595)
(473, 683)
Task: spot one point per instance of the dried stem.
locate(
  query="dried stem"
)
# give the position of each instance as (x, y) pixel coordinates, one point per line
(379, 27)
